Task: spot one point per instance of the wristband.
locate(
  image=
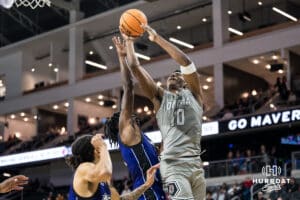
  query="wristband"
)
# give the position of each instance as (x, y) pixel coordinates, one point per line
(188, 69)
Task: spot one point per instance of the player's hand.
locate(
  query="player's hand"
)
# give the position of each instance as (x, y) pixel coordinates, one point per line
(14, 183)
(151, 175)
(152, 33)
(98, 142)
(126, 37)
(120, 46)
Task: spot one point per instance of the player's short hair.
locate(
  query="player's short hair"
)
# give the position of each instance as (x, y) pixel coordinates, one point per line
(82, 151)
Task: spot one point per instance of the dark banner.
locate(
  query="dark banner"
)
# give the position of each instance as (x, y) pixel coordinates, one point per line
(259, 120)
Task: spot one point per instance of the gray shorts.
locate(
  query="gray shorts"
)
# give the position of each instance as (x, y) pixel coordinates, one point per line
(183, 180)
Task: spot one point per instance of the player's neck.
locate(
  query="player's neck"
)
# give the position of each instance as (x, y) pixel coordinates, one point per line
(175, 90)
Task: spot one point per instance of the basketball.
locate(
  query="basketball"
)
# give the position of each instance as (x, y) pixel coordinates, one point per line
(131, 21)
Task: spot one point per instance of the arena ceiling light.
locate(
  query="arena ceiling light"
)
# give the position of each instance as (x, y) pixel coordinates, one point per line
(284, 14)
(255, 61)
(55, 107)
(101, 103)
(181, 43)
(142, 56)
(6, 174)
(94, 64)
(88, 99)
(232, 30)
(205, 87)
(209, 79)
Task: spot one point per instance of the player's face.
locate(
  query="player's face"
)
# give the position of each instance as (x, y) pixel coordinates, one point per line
(175, 81)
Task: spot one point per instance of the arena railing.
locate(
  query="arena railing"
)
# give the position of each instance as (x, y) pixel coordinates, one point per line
(237, 166)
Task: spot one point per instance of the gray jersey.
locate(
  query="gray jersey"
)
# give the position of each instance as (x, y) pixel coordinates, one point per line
(179, 119)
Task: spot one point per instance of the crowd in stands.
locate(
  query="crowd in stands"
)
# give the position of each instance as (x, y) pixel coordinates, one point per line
(254, 100)
(11, 141)
(238, 163)
(242, 191)
(244, 105)
(36, 142)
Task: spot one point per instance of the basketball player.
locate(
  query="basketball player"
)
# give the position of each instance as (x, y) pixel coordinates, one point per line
(13, 183)
(179, 117)
(136, 149)
(93, 171)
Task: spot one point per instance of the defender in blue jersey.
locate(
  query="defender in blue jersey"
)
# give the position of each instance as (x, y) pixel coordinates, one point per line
(123, 129)
(93, 170)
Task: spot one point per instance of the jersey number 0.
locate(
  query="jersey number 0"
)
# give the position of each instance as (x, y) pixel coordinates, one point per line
(180, 116)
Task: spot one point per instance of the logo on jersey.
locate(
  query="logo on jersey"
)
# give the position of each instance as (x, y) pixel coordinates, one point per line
(181, 102)
(172, 188)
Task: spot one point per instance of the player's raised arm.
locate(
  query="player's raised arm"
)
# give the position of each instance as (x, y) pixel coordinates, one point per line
(146, 82)
(187, 67)
(127, 131)
(126, 78)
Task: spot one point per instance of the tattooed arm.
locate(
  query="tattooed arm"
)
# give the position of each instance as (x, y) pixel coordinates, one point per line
(135, 194)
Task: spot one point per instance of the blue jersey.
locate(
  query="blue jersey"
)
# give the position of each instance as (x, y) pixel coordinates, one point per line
(102, 193)
(139, 158)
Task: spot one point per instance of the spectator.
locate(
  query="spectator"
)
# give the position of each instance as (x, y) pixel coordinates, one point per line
(227, 114)
(292, 99)
(292, 186)
(277, 194)
(285, 91)
(230, 163)
(222, 194)
(295, 195)
(238, 163)
(260, 196)
(246, 188)
(234, 190)
(209, 196)
(265, 158)
(273, 156)
(282, 88)
(248, 162)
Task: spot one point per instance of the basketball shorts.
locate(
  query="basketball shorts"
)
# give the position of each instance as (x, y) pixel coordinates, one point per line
(183, 180)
